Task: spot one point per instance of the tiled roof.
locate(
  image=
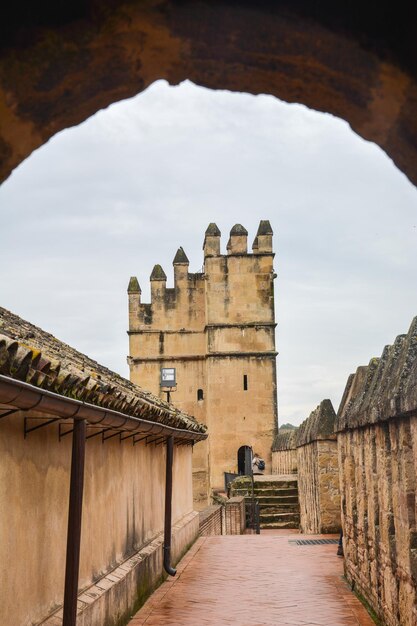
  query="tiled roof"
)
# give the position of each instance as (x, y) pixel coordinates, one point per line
(34, 356)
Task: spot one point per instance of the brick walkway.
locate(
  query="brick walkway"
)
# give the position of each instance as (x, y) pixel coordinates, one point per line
(254, 580)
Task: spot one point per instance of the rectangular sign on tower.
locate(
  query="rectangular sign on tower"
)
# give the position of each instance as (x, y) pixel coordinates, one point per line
(168, 377)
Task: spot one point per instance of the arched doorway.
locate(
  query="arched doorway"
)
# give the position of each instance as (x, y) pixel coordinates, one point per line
(244, 460)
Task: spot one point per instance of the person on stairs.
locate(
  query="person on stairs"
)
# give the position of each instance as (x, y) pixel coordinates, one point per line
(258, 465)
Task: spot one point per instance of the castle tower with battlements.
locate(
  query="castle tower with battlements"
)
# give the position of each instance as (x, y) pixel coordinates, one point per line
(217, 329)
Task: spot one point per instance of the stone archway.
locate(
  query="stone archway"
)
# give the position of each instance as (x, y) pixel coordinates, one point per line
(61, 63)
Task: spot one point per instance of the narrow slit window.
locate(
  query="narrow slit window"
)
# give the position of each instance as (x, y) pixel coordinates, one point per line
(245, 382)
(200, 394)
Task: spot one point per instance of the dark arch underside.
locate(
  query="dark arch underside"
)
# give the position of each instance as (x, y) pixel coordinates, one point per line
(61, 62)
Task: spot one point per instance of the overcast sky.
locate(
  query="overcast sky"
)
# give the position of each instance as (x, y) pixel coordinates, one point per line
(121, 192)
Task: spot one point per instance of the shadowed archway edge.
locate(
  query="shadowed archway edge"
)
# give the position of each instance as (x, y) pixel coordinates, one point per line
(60, 64)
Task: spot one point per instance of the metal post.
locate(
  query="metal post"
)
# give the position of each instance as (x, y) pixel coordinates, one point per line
(74, 523)
(168, 508)
(258, 522)
(253, 517)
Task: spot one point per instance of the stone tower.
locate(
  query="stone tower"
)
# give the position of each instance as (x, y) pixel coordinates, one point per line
(217, 329)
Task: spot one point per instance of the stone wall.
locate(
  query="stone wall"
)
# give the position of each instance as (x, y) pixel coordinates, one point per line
(211, 521)
(377, 441)
(284, 452)
(318, 473)
(234, 516)
(224, 519)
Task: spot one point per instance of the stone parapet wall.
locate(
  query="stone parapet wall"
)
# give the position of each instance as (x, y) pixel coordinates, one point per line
(226, 519)
(211, 521)
(318, 472)
(284, 452)
(377, 441)
(234, 515)
(284, 461)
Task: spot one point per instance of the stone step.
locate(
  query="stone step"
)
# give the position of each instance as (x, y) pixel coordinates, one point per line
(274, 525)
(283, 493)
(276, 488)
(265, 492)
(290, 481)
(277, 499)
(272, 518)
(245, 483)
(277, 508)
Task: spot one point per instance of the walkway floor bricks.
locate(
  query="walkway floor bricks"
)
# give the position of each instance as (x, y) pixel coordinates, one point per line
(254, 580)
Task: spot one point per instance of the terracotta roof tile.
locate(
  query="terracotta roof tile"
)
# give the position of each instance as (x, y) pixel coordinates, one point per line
(34, 356)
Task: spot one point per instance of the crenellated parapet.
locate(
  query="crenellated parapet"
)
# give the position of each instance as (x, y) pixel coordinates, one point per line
(284, 452)
(318, 426)
(238, 240)
(285, 440)
(318, 471)
(262, 243)
(227, 280)
(377, 445)
(386, 388)
(211, 245)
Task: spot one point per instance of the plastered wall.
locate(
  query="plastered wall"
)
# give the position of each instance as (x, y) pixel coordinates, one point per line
(123, 509)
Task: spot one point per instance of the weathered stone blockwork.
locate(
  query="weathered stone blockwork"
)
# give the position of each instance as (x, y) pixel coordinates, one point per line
(377, 441)
(284, 452)
(234, 516)
(318, 472)
(211, 521)
(217, 329)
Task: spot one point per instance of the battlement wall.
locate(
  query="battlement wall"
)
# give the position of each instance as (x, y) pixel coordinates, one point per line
(240, 289)
(377, 441)
(318, 471)
(234, 288)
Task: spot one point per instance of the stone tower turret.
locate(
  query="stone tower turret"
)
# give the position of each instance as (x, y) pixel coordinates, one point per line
(263, 239)
(134, 292)
(158, 280)
(217, 329)
(238, 242)
(180, 264)
(211, 244)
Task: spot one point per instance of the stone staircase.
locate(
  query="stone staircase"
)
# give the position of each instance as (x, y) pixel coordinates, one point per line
(277, 496)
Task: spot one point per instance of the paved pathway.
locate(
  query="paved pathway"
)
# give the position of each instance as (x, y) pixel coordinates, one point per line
(254, 580)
